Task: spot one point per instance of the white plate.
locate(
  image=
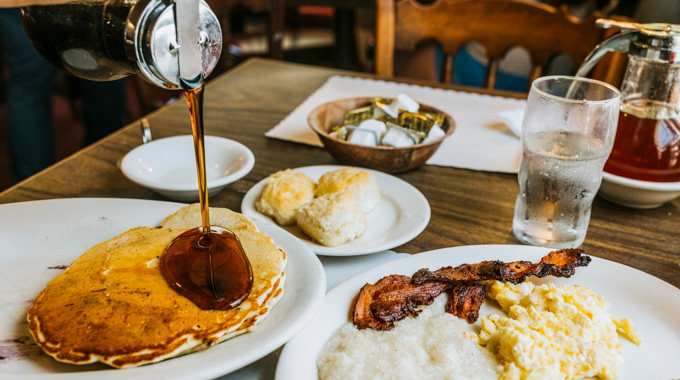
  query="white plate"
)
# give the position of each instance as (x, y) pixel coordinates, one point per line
(401, 215)
(37, 236)
(168, 166)
(653, 305)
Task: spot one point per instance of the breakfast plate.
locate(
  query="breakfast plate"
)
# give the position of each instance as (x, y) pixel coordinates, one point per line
(650, 303)
(40, 238)
(401, 215)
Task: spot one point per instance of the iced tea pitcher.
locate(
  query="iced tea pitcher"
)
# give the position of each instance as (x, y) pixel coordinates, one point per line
(647, 144)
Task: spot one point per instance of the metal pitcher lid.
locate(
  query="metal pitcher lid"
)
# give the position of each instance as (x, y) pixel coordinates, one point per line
(660, 30)
(152, 41)
(656, 41)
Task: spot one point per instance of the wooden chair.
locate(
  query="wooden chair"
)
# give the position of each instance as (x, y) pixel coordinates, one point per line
(499, 25)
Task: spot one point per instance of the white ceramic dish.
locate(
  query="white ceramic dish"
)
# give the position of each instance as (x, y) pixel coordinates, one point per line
(637, 194)
(651, 303)
(403, 213)
(168, 166)
(38, 238)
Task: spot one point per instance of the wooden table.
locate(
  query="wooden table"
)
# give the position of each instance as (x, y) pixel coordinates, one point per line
(468, 207)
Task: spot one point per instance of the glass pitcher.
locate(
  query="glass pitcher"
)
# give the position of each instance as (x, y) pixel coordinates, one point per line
(647, 144)
(110, 39)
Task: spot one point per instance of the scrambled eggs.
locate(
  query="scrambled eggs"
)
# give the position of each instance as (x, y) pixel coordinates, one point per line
(553, 332)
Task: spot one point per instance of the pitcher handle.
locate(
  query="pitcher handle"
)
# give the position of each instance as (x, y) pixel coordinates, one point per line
(617, 43)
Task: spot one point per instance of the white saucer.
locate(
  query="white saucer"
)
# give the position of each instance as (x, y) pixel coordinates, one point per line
(403, 213)
(637, 194)
(168, 166)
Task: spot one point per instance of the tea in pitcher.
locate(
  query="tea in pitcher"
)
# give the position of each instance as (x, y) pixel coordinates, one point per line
(647, 145)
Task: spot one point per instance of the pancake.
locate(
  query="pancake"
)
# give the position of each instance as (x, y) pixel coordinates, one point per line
(113, 304)
(190, 217)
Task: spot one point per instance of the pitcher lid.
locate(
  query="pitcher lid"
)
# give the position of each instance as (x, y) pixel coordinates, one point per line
(656, 41)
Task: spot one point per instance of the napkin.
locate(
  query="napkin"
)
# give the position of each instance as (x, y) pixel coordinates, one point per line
(481, 140)
(338, 269)
(513, 119)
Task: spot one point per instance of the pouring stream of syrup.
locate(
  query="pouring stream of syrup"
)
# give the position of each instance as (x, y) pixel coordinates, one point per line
(207, 264)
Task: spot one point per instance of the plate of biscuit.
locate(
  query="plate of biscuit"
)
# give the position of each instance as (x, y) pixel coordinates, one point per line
(340, 210)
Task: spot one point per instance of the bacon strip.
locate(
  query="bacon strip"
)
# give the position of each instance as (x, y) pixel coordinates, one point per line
(395, 297)
(465, 300)
(560, 263)
(392, 298)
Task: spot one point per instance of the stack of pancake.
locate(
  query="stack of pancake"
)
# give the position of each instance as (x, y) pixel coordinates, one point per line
(113, 304)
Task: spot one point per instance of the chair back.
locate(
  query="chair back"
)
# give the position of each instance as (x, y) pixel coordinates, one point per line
(498, 25)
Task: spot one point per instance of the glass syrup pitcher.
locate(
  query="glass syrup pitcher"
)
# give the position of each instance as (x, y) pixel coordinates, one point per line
(647, 144)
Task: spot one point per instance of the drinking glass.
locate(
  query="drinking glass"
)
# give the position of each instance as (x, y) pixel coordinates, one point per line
(567, 134)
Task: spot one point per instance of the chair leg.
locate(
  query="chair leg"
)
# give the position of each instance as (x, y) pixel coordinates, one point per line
(535, 74)
(3, 85)
(345, 49)
(447, 67)
(275, 28)
(492, 71)
(72, 96)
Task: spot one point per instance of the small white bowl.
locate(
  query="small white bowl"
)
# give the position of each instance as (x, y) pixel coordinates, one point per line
(635, 193)
(168, 166)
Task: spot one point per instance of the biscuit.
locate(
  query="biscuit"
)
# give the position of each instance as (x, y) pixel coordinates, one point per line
(284, 193)
(332, 219)
(360, 182)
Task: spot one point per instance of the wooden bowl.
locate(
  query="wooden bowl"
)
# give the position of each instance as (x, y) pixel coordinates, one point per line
(383, 158)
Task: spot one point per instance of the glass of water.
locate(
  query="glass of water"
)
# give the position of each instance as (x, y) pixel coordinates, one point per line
(567, 134)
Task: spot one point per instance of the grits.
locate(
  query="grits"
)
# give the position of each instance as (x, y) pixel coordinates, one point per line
(435, 345)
